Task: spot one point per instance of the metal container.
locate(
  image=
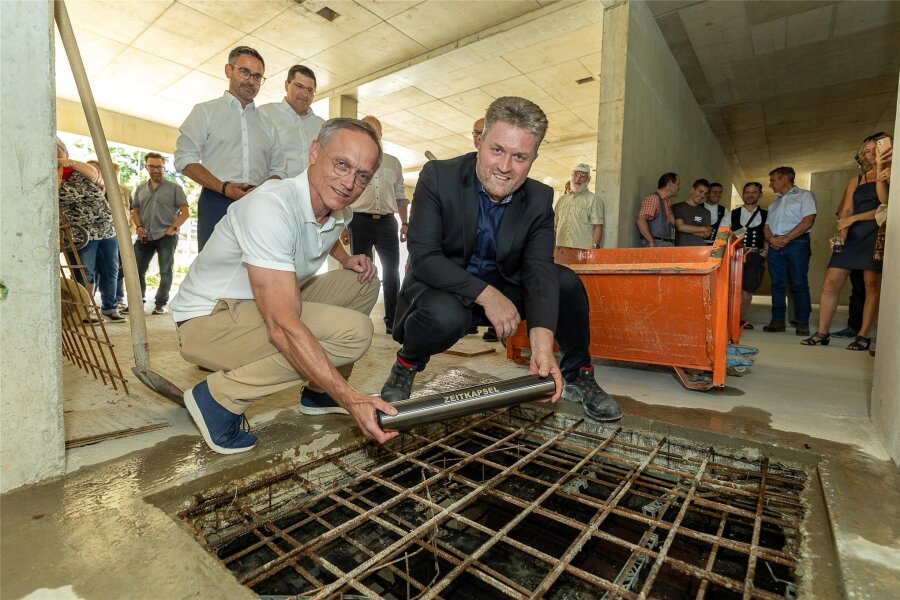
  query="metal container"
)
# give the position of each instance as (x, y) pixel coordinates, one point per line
(466, 401)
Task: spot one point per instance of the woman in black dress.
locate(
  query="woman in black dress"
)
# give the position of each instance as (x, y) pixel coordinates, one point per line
(858, 230)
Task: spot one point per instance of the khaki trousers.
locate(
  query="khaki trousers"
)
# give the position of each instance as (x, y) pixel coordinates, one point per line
(233, 341)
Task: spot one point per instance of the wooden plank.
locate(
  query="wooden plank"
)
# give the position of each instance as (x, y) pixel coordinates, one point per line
(472, 347)
(84, 427)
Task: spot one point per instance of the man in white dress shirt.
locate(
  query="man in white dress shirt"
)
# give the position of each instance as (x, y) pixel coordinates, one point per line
(226, 145)
(790, 220)
(374, 224)
(297, 125)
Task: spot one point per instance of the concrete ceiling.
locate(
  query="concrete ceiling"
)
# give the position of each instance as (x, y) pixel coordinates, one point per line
(788, 83)
(795, 83)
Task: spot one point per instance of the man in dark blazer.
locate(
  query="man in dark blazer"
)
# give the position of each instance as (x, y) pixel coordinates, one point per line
(481, 253)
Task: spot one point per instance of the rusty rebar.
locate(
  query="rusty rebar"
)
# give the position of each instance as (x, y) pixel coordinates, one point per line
(503, 452)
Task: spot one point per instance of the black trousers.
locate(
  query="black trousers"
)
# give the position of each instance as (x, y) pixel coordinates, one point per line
(857, 299)
(439, 319)
(384, 235)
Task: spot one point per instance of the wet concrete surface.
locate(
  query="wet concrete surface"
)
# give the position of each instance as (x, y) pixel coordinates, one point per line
(94, 534)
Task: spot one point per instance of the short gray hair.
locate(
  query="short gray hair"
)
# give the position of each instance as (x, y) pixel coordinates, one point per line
(332, 126)
(518, 112)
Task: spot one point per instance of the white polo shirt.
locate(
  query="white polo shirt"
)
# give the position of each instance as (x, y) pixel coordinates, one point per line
(272, 227)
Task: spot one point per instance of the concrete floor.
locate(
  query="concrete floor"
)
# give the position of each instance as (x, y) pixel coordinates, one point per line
(94, 534)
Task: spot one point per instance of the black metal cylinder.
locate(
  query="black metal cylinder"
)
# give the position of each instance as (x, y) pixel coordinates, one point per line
(466, 401)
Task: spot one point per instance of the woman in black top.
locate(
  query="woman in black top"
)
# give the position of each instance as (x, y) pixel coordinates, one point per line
(858, 230)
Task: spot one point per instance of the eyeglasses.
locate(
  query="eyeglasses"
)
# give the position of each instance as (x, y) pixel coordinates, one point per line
(155, 167)
(246, 73)
(342, 168)
(300, 86)
(476, 133)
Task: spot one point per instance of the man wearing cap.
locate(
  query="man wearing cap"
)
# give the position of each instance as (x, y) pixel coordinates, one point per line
(579, 213)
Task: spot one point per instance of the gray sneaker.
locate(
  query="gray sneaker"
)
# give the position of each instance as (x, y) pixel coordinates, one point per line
(597, 404)
(399, 384)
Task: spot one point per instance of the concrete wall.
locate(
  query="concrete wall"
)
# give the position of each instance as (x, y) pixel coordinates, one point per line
(649, 121)
(32, 439)
(885, 403)
(828, 186)
(123, 129)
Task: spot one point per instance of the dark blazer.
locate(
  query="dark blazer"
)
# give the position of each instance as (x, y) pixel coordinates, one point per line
(441, 239)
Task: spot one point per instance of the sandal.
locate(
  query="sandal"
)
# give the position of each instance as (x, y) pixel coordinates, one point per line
(860, 343)
(817, 339)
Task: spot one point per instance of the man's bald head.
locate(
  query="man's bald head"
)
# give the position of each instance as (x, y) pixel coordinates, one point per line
(477, 128)
(375, 123)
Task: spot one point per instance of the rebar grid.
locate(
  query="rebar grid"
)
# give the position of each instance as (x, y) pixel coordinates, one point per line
(464, 512)
(85, 342)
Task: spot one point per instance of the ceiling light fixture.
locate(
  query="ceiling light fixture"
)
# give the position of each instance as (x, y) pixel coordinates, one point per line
(584, 80)
(327, 14)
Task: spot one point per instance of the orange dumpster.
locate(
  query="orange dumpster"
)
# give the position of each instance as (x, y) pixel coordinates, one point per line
(678, 307)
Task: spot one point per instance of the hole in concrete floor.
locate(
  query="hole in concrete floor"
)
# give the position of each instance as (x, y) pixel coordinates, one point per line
(514, 504)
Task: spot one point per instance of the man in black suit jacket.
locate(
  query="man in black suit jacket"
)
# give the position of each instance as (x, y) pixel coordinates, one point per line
(481, 252)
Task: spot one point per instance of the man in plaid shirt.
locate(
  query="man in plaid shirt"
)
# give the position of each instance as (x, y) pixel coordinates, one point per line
(654, 224)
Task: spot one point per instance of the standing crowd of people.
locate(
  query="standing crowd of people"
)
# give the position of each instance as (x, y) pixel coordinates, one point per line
(778, 239)
(281, 186)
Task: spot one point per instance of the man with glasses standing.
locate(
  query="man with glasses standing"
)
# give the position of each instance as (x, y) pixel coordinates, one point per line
(158, 209)
(226, 145)
(297, 125)
(253, 310)
(579, 213)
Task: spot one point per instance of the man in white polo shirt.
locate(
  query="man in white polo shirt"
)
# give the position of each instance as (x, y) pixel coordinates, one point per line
(253, 311)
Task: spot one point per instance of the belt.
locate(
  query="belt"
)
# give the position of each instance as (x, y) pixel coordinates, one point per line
(658, 239)
(374, 216)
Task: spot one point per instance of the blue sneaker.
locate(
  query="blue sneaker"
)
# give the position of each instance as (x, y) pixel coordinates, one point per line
(223, 431)
(319, 403)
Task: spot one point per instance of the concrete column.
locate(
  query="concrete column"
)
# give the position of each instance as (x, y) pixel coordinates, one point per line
(649, 121)
(343, 106)
(611, 120)
(885, 403)
(31, 427)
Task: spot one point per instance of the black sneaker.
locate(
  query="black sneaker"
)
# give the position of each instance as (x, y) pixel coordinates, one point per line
(319, 403)
(399, 384)
(597, 404)
(490, 335)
